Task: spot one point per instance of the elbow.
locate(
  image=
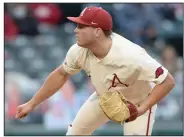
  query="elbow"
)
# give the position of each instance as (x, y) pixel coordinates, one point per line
(170, 81)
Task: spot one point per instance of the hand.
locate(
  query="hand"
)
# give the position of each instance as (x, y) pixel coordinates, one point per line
(23, 110)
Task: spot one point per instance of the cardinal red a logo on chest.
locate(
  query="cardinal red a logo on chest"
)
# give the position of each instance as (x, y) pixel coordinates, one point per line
(116, 81)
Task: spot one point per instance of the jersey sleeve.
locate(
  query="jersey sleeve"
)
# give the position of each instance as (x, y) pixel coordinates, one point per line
(150, 69)
(71, 64)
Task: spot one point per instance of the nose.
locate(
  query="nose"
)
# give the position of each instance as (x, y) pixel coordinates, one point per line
(76, 30)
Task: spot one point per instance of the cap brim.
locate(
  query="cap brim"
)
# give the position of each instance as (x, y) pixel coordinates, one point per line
(77, 20)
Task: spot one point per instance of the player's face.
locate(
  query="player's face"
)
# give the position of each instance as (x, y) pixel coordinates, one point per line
(85, 35)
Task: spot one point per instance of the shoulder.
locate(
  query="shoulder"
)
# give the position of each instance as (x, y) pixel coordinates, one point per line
(77, 51)
(124, 49)
(77, 55)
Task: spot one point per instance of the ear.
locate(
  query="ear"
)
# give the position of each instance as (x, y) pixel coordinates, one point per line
(98, 32)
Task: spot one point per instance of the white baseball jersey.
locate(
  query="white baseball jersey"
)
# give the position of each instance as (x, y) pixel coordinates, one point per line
(126, 68)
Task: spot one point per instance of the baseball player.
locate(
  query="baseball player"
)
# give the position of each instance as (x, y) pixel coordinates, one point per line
(114, 65)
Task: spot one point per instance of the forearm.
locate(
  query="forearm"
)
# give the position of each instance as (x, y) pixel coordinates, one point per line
(158, 92)
(51, 85)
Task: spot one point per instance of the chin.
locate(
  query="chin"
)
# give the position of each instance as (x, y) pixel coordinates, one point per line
(80, 44)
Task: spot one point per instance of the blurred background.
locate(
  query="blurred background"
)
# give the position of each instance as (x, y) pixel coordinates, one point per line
(37, 37)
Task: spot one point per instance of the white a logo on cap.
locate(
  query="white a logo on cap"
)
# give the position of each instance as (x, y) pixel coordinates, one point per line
(83, 12)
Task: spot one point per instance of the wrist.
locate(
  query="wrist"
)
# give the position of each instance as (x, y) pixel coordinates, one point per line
(32, 104)
(144, 107)
(147, 103)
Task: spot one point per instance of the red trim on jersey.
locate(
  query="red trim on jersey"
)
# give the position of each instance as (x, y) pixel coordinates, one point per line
(148, 124)
(159, 72)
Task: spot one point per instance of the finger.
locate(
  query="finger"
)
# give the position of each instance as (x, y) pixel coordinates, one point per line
(20, 114)
(18, 109)
(17, 112)
(23, 116)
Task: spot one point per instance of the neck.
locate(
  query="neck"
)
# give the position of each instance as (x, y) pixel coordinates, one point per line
(101, 47)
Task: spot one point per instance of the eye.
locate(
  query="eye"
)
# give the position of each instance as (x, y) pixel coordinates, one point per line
(81, 26)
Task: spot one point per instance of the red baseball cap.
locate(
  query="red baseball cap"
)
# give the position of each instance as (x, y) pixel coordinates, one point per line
(95, 17)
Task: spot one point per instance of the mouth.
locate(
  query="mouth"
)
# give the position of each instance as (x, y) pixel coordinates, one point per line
(77, 38)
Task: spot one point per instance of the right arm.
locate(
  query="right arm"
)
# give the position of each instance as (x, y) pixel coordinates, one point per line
(58, 77)
(52, 84)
